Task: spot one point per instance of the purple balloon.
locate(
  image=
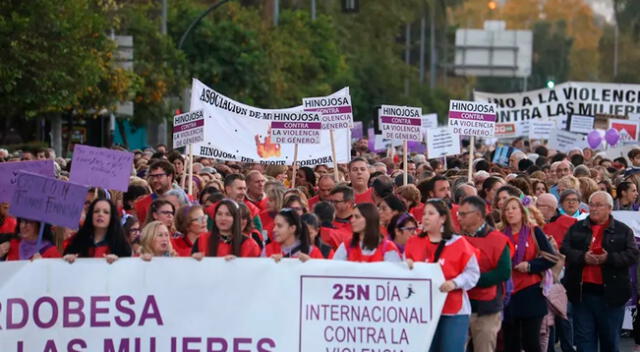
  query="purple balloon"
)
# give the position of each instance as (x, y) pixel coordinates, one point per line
(594, 139)
(612, 136)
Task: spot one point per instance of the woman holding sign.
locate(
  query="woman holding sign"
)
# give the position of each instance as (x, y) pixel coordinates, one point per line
(367, 244)
(438, 244)
(101, 235)
(226, 238)
(291, 238)
(26, 247)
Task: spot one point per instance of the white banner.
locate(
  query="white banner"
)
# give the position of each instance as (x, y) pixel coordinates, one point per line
(253, 305)
(579, 98)
(629, 218)
(239, 132)
(565, 141)
(441, 142)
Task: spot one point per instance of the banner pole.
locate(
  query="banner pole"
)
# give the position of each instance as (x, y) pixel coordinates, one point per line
(472, 142)
(405, 149)
(40, 234)
(333, 155)
(183, 179)
(445, 162)
(190, 170)
(295, 166)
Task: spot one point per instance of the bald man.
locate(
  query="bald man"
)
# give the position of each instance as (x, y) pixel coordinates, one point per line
(557, 224)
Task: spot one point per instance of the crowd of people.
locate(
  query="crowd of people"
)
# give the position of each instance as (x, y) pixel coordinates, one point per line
(530, 250)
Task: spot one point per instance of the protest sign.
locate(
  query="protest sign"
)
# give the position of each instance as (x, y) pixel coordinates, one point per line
(505, 130)
(9, 173)
(101, 167)
(239, 132)
(335, 110)
(467, 118)
(46, 199)
(429, 121)
(316, 306)
(565, 141)
(579, 98)
(401, 122)
(441, 142)
(357, 131)
(297, 127)
(629, 218)
(581, 124)
(541, 129)
(188, 128)
(628, 130)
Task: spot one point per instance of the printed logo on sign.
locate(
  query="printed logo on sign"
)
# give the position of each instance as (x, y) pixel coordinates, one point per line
(356, 313)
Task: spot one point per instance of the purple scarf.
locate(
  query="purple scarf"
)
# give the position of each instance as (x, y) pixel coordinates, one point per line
(521, 247)
(28, 249)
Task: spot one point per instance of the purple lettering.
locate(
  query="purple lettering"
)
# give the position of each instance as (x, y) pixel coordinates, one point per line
(36, 312)
(217, 340)
(68, 311)
(95, 310)
(71, 347)
(11, 324)
(50, 346)
(125, 310)
(188, 340)
(150, 311)
(240, 340)
(266, 341)
(20, 346)
(122, 347)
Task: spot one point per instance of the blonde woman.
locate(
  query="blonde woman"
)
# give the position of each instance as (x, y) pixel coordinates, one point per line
(155, 241)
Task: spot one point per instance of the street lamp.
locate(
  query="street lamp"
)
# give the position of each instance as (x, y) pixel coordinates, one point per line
(197, 20)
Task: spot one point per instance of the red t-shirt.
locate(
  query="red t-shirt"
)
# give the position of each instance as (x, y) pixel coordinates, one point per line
(593, 273)
(267, 219)
(182, 246)
(364, 197)
(142, 207)
(332, 237)
(248, 249)
(417, 212)
(9, 225)
(47, 252)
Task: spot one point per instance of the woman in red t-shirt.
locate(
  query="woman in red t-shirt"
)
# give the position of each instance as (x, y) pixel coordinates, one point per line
(191, 222)
(101, 235)
(367, 244)
(291, 239)
(26, 246)
(226, 238)
(155, 241)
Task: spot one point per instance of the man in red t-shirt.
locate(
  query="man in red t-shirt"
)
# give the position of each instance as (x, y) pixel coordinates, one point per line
(342, 199)
(255, 189)
(557, 224)
(235, 187)
(359, 177)
(325, 184)
(161, 175)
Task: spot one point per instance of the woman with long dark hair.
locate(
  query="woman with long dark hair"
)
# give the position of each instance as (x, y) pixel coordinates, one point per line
(367, 244)
(225, 238)
(437, 243)
(389, 207)
(291, 238)
(26, 245)
(312, 221)
(101, 235)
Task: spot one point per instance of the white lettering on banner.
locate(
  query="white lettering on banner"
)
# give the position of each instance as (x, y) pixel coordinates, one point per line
(134, 305)
(237, 132)
(570, 98)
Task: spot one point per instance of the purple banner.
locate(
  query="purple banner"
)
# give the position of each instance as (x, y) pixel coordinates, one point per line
(356, 131)
(188, 126)
(471, 116)
(401, 120)
(296, 125)
(416, 147)
(9, 172)
(46, 199)
(101, 167)
(332, 110)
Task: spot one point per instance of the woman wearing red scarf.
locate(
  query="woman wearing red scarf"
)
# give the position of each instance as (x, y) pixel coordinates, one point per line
(526, 305)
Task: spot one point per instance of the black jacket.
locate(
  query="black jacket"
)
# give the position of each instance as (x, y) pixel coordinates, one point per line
(619, 242)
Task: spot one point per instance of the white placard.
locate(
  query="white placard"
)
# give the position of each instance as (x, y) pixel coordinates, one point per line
(226, 305)
(468, 118)
(336, 111)
(188, 128)
(401, 123)
(429, 121)
(300, 127)
(581, 124)
(541, 129)
(565, 141)
(441, 142)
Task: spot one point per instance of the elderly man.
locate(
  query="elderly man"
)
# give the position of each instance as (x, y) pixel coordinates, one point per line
(562, 168)
(495, 268)
(599, 251)
(557, 224)
(325, 184)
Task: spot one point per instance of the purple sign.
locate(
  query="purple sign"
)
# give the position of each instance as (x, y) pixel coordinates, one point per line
(357, 130)
(9, 172)
(46, 199)
(416, 147)
(101, 167)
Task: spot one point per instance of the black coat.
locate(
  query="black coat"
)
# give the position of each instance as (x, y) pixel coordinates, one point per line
(619, 242)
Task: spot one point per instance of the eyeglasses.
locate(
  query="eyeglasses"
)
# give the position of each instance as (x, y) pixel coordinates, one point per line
(166, 212)
(156, 175)
(571, 200)
(202, 218)
(462, 214)
(409, 228)
(337, 201)
(598, 205)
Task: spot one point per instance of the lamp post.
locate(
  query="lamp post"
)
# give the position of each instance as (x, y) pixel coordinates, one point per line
(197, 20)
